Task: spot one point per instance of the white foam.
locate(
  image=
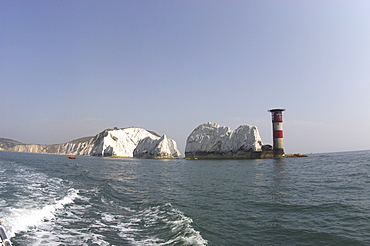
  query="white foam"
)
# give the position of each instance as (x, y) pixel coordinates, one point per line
(189, 235)
(108, 217)
(138, 229)
(37, 212)
(21, 219)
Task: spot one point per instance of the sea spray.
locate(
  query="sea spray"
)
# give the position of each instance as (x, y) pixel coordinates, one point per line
(163, 225)
(22, 219)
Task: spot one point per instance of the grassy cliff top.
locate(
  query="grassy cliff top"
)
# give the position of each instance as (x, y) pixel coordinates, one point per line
(152, 132)
(8, 143)
(81, 140)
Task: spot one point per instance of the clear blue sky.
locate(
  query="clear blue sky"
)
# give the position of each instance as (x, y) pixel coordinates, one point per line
(70, 69)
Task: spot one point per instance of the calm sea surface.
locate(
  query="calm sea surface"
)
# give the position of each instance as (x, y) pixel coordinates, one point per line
(52, 200)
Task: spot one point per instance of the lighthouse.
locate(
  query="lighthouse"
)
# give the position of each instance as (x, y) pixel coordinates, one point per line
(277, 130)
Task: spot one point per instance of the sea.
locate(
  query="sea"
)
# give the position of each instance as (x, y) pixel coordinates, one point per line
(323, 199)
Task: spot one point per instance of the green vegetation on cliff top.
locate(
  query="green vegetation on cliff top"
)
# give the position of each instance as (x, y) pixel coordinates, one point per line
(8, 143)
(81, 140)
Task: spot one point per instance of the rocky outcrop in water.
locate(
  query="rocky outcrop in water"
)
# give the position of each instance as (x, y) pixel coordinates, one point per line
(110, 142)
(210, 140)
(157, 148)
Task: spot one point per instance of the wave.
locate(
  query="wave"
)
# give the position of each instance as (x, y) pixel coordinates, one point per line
(157, 225)
(70, 221)
(22, 219)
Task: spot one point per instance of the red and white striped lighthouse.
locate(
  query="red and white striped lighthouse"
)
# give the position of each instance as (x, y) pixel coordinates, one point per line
(277, 128)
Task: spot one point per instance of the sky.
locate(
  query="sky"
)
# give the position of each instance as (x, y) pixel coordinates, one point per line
(70, 69)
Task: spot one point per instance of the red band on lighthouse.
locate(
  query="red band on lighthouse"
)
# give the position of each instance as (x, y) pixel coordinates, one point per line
(278, 134)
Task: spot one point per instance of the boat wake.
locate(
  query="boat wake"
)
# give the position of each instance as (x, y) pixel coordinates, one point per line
(157, 225)
(23, 219)
(38, 209)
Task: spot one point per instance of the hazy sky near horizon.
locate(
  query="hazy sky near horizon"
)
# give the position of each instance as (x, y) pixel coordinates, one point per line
(70, 69)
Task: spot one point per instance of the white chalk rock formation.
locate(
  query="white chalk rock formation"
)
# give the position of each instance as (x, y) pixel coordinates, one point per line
(121, 142)
(210, 140)
(157, 148)
(118, 142)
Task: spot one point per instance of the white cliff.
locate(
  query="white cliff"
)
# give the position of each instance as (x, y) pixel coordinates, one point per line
(35, 148)
(118, 142)
(76, 147)
(210, 140)
(157, 148)
(122, 142)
